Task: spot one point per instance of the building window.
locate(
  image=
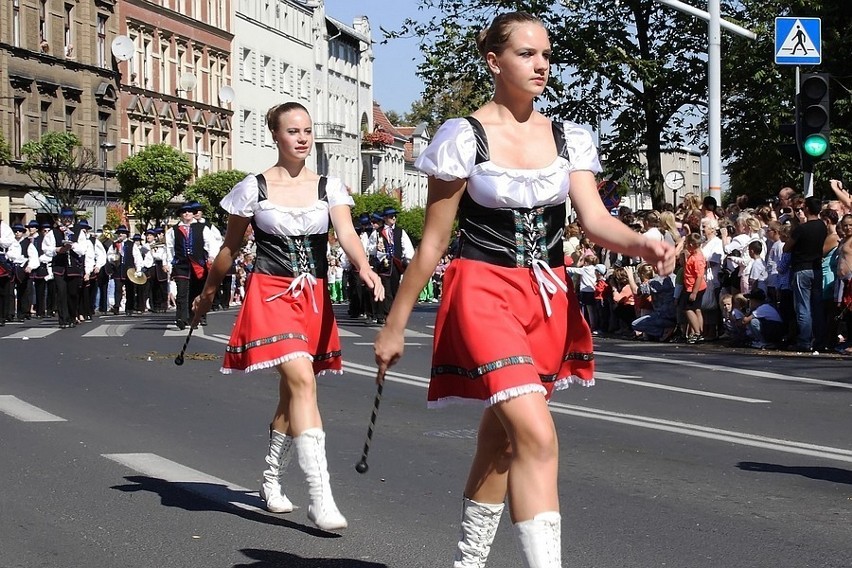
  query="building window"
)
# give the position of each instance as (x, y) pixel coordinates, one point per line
(18, 133)
(103, 129)
(165, 83)
(246, 64)
(16, 23)
(42, 20)
(134, 139)
(69, 30)
(45, 117)
(69, 118)
(100, 49)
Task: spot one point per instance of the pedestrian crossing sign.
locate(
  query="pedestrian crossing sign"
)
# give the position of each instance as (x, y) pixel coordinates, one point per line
(798, 41)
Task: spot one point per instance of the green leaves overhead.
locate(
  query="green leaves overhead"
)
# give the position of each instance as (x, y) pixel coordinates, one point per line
(209, 191)
(60, 166)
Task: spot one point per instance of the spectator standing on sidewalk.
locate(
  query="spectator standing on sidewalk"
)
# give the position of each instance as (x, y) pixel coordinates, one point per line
(805, 245)
(694, 286)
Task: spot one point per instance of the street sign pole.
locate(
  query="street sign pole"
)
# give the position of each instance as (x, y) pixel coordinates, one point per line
(714, 83)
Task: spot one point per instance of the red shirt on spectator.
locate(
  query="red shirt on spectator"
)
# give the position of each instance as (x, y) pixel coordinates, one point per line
(695, 264)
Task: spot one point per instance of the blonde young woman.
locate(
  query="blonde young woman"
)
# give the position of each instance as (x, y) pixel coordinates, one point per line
(286, 320)
(507, 332)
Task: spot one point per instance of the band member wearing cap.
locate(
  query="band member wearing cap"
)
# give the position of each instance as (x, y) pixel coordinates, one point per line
(393, 251)
(26, 264)
(10, 251)
(95, 259)
(158, 278)
(190, 245)
(68, 256)
(107, 271)
(123, 246)
(286, 320)
(39, 276)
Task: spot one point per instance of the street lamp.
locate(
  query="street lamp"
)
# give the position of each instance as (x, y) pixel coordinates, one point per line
(105, 147)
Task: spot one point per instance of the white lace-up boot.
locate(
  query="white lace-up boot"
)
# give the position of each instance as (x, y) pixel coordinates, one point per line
(323, 512)
(277, 458)
(540, 540)
(478, 527)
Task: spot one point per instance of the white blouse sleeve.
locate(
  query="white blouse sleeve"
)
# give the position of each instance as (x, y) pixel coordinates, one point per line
(242, 199)
(582, 153)
(337, 194)
(452, 153)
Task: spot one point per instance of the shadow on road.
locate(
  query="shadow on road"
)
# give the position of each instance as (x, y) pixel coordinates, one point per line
(196, 496)
(832, 474)
(276, 559)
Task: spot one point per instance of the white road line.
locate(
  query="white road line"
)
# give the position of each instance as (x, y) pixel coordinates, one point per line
(686, 429)
(725, 369)
(627, 381)
(371, 343)
(109, 330)
(412, 333)
(24, 411)
(346, 333)
(173, 331)
(190, 480)
(786, 446)
(33, 333)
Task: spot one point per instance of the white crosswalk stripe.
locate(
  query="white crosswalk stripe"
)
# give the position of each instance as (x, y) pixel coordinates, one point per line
(33, 333)
(24, 411)
(109, 330)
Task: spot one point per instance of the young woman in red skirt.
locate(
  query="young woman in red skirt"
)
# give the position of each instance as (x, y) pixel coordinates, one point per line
(508, 331)
(286, 319)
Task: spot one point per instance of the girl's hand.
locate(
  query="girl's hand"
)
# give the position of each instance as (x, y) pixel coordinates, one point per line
(388, 348)
(200, 306)
(373, 282)
(659, 253)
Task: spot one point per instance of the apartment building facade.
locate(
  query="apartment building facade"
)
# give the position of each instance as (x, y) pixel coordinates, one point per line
(175, 82)
(56, 74)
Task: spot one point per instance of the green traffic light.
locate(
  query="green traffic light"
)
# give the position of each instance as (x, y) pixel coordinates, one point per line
(815, 145)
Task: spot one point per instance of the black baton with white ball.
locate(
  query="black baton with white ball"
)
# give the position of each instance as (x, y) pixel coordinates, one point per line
(361, 466)
(179, 358)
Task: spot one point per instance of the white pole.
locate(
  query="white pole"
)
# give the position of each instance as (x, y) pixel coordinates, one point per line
(714, 81)
(686, 8)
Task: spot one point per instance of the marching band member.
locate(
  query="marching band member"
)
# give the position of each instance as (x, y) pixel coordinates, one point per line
(123, 247)
(189, 247)
(68, 258)
(24, 265)
(39, 277)
(10, 251)
(146, 253)
(93, 270)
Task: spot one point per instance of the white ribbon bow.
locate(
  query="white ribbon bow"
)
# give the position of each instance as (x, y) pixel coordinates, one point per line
(297, 286)
(548, 282)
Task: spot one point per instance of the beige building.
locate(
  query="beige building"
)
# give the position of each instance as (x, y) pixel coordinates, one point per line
(56, 73)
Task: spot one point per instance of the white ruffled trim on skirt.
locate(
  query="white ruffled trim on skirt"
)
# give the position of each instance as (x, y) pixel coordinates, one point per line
(268, 364)
(507, 394)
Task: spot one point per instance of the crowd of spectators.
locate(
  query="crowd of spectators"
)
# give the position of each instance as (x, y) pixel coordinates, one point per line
(769, 276)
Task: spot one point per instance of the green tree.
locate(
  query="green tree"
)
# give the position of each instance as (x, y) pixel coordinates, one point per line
(371, 202)
(5, 151)
(59, 165)
(209, 191)
(458, 99)
(758, 97)
(151, 179)
(393, 117)
(412, 221)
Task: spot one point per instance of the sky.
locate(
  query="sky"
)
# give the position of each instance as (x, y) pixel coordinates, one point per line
(395, 84)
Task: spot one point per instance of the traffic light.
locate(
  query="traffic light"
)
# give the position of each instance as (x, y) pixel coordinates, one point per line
(812, 119)
(790, 148)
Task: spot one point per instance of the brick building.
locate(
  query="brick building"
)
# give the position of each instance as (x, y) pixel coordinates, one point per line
(56, 73)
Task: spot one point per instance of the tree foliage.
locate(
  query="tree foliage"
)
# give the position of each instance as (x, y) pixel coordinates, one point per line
(640, 69)
(151, 179)
(209, 191)
(758, 96)
(58, 164)
(5, 151)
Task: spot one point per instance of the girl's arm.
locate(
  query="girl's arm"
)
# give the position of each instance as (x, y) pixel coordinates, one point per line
(441, 208)
(229, 250)
(604, 229)
(350, 242)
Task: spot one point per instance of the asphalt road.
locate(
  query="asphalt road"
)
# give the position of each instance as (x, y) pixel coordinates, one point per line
(680, 456)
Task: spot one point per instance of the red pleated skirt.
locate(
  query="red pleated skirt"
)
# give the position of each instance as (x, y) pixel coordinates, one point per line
(494, 340)
(275, 326)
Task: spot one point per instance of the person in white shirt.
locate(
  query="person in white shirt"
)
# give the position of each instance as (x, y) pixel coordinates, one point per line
(24, 265)
(68, 253)
(10, 253)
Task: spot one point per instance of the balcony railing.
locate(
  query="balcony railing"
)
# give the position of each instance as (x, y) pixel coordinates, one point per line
(327, 132)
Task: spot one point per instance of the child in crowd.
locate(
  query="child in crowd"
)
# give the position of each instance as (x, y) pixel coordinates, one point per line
(585, 269)
(624, 300)
(603, 298)
(734, 325)
(754, 274)
(694, 285)
(335, 281)
(763, 325)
